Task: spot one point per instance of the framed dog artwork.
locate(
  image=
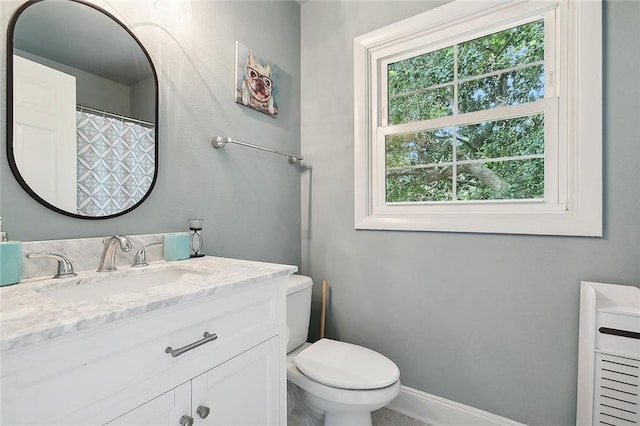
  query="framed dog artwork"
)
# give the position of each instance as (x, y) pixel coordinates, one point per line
(256, 81)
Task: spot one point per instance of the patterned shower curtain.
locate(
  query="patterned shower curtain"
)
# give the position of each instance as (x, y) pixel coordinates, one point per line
(115, 163)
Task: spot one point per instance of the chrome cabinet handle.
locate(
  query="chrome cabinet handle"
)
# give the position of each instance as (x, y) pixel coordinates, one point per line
(177, 352)
(186, 420)
(203, 411)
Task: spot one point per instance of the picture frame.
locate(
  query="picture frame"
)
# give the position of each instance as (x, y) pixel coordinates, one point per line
(256, 81)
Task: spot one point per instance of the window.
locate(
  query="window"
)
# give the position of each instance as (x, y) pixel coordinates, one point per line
(481, 118)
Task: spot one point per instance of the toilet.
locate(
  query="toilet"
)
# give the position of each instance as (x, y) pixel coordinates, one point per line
(329, 382)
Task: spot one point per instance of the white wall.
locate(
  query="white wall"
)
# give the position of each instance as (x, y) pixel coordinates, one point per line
(250, 200)
(490, 321)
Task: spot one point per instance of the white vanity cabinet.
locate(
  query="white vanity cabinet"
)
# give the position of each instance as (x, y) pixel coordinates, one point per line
(123, 372)
(238, 392)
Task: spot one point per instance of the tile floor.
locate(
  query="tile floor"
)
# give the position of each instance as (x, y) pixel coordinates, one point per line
(386, 417)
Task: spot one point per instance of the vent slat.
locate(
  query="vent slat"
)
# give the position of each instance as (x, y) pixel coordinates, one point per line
(608, 397)
(621, 373)
(621, 362)
(617, 408)
(620, 385)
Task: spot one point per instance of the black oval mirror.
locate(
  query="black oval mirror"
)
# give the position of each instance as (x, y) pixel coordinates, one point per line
(82, 109)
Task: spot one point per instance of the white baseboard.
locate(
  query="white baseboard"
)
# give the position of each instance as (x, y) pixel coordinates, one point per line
(437, 411)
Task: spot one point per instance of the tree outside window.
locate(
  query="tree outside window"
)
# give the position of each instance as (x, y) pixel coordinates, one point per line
(498, 159)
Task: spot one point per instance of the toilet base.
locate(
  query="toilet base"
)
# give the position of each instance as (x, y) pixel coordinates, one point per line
(347, 419)
(299, 413)
(307, 409)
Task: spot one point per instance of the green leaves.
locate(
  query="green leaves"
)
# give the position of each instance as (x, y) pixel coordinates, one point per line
(500, 159)
(501, 138)
(422, 71)
(506, 49)
(421, 106)
(504, 89)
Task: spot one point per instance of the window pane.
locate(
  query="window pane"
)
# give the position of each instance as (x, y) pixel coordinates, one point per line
(502, 138)
(418, 148)
(501, 180)
(408, 177)
(509, 48)
(509, 88)
(494, 160)
(418, 165)
(420, 72)
(420, 184)
(421, 106)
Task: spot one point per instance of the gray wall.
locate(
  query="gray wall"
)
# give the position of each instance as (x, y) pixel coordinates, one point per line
(250, 200)
(140, 94)
(92, 90)
(490, 321)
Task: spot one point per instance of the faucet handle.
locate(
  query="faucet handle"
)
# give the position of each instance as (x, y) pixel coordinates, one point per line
(65, 268)
(140, 258)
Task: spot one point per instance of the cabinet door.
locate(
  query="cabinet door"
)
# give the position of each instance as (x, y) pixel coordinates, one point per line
(241, 391)
(165, 409)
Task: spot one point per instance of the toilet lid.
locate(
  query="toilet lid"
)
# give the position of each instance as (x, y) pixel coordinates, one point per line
(346, 366)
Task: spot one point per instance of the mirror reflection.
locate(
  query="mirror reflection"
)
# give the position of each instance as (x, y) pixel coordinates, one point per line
(82, 96)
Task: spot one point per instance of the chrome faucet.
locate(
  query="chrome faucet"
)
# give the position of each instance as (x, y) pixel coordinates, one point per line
(108, 259)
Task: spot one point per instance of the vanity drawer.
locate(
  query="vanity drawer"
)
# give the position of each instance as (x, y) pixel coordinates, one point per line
(92, 367)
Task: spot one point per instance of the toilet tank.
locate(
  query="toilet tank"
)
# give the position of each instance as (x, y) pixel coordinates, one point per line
(298, 310)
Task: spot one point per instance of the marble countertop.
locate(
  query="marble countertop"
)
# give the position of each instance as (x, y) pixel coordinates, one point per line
(28, 316)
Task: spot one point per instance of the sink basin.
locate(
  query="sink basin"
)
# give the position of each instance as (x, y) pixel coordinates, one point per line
(116, 285)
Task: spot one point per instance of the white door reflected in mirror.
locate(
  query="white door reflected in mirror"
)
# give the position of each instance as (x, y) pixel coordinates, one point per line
(44, 131)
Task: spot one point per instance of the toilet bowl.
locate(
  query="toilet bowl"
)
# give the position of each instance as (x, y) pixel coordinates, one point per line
(329, 382)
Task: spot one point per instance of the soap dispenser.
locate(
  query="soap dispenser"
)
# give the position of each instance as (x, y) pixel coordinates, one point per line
(10, 259)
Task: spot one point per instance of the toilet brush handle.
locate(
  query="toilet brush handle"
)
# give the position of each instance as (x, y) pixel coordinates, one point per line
(323, 311)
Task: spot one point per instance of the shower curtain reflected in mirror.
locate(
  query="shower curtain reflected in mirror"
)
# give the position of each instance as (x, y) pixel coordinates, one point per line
(115, 162)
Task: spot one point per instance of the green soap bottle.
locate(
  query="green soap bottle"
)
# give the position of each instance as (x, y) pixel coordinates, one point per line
(10, 259)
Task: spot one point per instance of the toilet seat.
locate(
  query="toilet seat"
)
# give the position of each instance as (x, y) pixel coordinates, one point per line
(346, 366)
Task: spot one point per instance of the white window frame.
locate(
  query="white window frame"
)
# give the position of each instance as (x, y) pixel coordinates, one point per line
(573, 120)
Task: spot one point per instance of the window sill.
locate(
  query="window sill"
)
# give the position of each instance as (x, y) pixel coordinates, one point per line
(564, 223)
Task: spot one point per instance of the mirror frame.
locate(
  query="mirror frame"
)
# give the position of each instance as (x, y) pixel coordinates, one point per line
(9, 107)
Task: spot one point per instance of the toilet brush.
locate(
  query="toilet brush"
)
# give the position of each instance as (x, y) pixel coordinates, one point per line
(323, 310)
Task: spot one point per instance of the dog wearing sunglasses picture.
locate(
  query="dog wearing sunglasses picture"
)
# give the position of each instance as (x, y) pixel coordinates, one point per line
(257, 87)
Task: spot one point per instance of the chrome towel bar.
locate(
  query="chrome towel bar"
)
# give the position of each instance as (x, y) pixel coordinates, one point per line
(221, 141)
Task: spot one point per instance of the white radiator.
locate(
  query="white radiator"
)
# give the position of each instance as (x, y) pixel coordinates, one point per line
(609, 355)
(616, 391)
